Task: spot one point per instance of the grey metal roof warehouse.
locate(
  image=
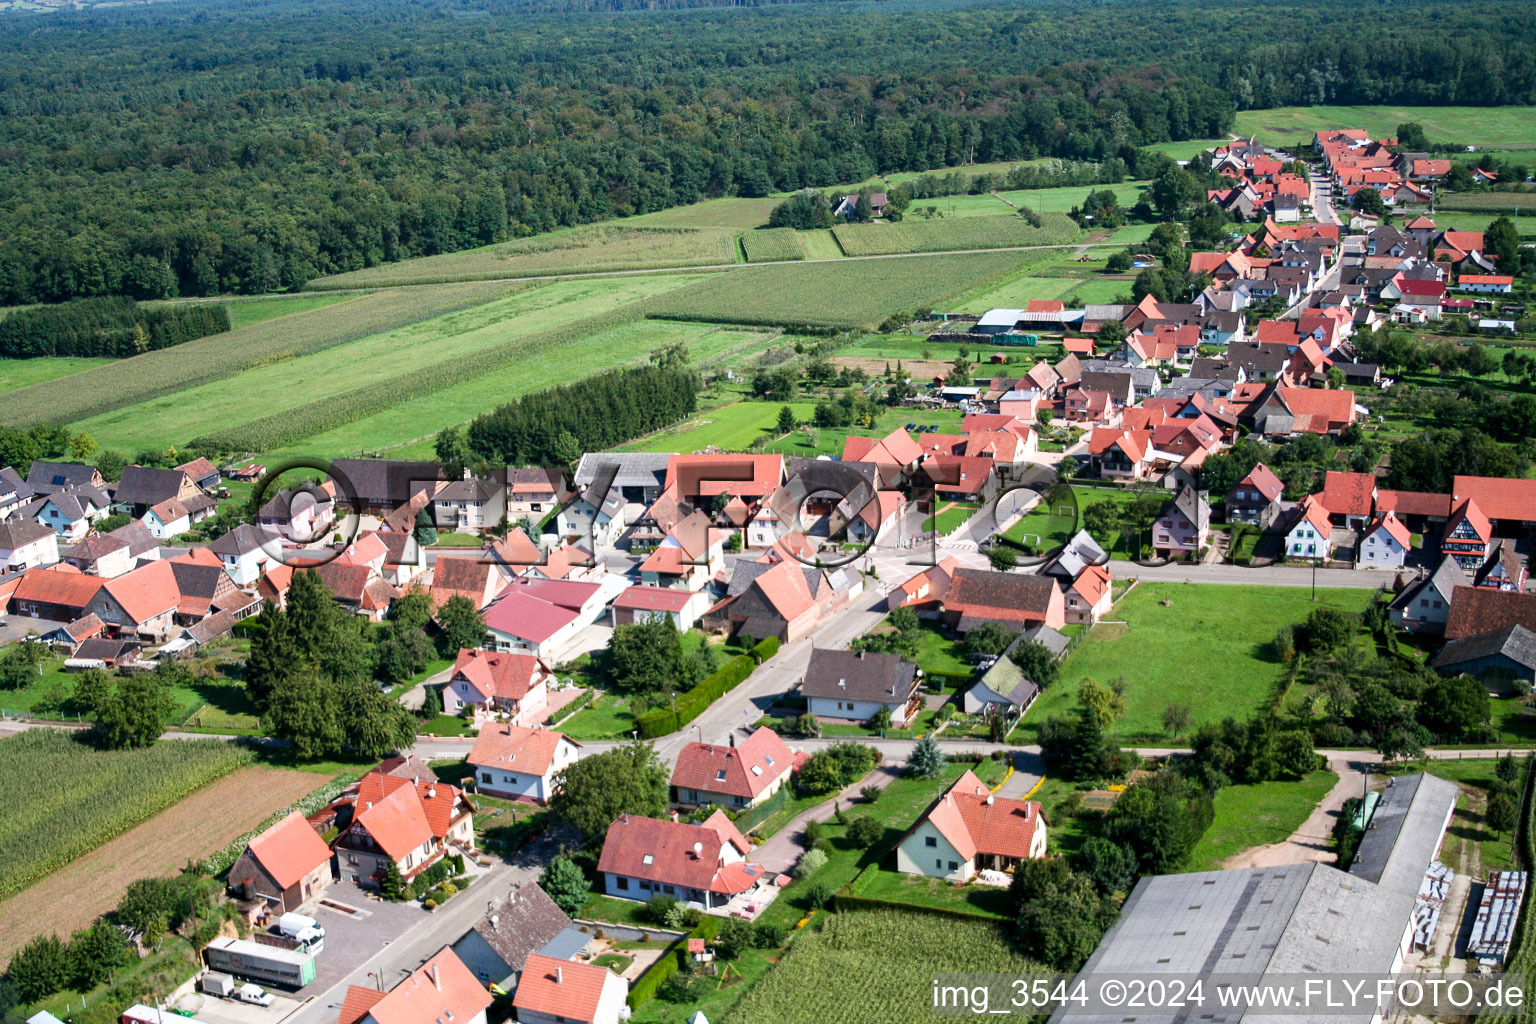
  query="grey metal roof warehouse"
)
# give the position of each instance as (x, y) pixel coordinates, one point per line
(1294, 919)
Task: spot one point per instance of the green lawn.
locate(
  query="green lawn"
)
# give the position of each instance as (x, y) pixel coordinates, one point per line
(1208, 648)
(1257, 815)
(212, 701)
(606, 718)
(1016, 294)
(732, 427)
(952, 516)
(1052, 522)
(820, 245)
(18, 373)
(1468, 835)
(1131, 234)
(445, 725)
(1104, 290)
(985, 900)
(946, 207)
(813, 441)
(1494, 127)
(458, 540)
(1186, 150)
(1061, 200)
(247, 311)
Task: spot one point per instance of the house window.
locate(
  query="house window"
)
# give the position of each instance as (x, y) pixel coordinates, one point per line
(954, 865)
(485, 776)
(938, 863)
(930, 841)
(622, 883)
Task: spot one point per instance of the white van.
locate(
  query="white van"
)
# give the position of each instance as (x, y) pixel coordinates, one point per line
(304, 930)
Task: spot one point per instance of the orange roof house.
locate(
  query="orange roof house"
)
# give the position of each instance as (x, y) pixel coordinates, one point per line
(732, 775)
(442, 989)
(968, 829)
(520, 763)
(554, 989)
(287, 864)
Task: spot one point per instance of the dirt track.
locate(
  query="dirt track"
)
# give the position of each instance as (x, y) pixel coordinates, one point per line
(203, 823)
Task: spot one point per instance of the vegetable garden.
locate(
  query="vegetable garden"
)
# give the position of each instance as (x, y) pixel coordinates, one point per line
(66, 798)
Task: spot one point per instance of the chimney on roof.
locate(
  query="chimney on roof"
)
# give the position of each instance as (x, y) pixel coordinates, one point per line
(733, 740)
(437, 982)
(674, 815)
(559, 975)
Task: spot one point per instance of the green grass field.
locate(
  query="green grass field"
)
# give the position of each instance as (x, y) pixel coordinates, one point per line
(593, 249)
(946, 207)
(270, 389)
(245, 312)
(1131, 234)
(1016, 294)
(19, 373)
(954, 233)
(1045, 527)
(1060, 200)
(1098, 290)
(1491, 127)
(1257, 815)
(1208, 648)
(732, 427)
(406, 430)
(850, 295)
(807, 443)
(741, 214)
(1186, 150)
(168, 371)
(820, 245)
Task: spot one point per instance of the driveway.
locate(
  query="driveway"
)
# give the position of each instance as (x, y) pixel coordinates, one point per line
(785, 846)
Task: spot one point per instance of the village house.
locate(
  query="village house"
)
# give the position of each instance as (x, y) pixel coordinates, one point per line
(287, 865)
(1088, 597)
(61, 593)
(49, 477)
(201, 472)
(472, 503)
(688, 557)
(857, 685)
(442, 989)
(1348, 497)
(140, 603)
(925, 589)
(70, 512)
(1015, 600)
(552, 990)
(244, 552)
(409, 822)
(733, 775)
(640, 603)
(968, 830)
(1309, 533)
(490, 683)
(525, 923)
(381, 486)
(1425, 605)
(26, 545)
(1120, 454)
(1468, 536)
(475, 578)
(542, 617)
(1504, 660)
(1183, 527)
(14, 492)
(515, 762)
(703, 866)
(1255, 499)
(1476, 610)
(1509, 503)
(301, 514)
(142, 488)
(1002, 689)
(533, 492)
(1504, 570)
(782, 596)
(1385, 543)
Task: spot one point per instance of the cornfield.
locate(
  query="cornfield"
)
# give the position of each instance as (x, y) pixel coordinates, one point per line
(65, 798)
(895, 956)
(153, 374)
(772, 244)
(954, 233)
(851, 294)
(585, 250)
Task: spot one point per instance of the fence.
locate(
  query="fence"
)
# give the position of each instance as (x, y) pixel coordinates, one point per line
(763, 811)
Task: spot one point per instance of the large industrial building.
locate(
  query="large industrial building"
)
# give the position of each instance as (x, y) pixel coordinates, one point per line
(1297, 919)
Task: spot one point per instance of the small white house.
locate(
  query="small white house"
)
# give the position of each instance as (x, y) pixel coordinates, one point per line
(1385, 543)
(242, 553)
(518, 763)
(555, 991)
(167, 519)
(967, 830)
(599, 525)
(1309, 534)
(26, 545)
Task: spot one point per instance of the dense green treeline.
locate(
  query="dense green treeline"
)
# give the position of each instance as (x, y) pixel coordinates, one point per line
(113, 327)
(250, 145)
(556, 426)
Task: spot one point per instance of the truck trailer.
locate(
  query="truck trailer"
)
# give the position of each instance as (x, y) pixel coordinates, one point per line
(287, 968)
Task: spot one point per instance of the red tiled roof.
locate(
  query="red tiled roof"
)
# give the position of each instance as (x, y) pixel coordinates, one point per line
(1477, 610)
(1470, 512)
(786, 589)
(1326, 409)
(1262, 479)
(527, 617)
(1004, 597)
(744, 770)
(561, 989)
(1348, 494)
(1498, 497)
(442, 989)
(673, 852)
(1485, 279)
(1315, 514)
(147, 591)
(397, 822)
(496, 674)
(1413, 503)
(359, 1000)
(754, 475)
(974, 821)
(655, 599)
(60, 585)
(1393, 526)
(290, 850)
(435, 799)
(1092, 582)
(516, 748)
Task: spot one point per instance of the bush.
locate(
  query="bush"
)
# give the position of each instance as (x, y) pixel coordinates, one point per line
(681, 917)
(823, 846)
(870, 793)
(657, 908)
(734, 937)
(768, 935)
(864, 831)
(811, 861)
(814, 831)
(693, 703)
(765, 649)
(818, 895)
(682, 987)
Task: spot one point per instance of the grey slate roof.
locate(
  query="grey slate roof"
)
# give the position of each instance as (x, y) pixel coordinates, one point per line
(11, 483)
(137, 537)
(142, 485)
(1404, 832)
(527, 922)
(385, 481)
(632, 469)
(851, 675)
(1515, 642)
(45, 477)
(19, 532)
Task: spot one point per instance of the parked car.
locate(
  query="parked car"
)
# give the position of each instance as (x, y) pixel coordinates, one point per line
(254, 994)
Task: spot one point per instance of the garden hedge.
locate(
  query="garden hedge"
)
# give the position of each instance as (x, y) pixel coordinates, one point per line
(692, 704)
(669, 964)
(765, 649)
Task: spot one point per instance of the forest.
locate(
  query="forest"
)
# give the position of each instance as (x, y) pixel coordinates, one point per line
(248, 146)
(114, 327)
